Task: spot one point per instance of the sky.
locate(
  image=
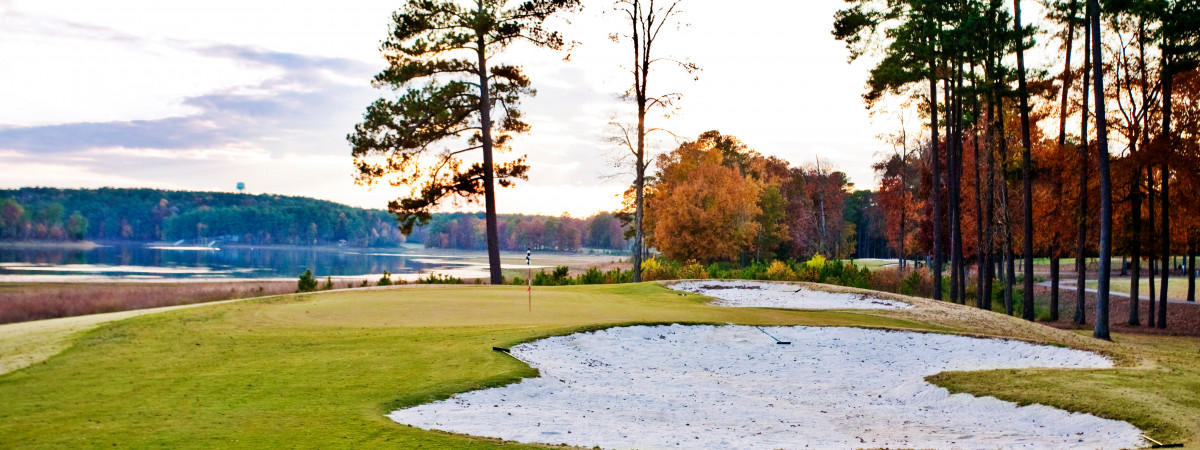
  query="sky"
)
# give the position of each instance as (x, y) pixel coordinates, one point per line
(201, 95)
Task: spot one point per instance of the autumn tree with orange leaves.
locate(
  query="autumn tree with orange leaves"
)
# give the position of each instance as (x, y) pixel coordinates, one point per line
(698, 207)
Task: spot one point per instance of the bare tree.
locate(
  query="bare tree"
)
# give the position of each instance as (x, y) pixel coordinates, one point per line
(646, 21)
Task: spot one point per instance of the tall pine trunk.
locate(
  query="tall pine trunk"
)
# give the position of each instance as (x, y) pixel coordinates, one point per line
(989, 266)
(936, 181)
(1168, 150)
(1135, 200)
(959, 261)
(979, 246)
(1008, 274)
(1151, 317)
(1062, 144)
(1026, 162)
(951, 207)
(1005, 200)
(1106, 212)
(489, 189)
(1191, 266)
(903, 196)
(1082, 218)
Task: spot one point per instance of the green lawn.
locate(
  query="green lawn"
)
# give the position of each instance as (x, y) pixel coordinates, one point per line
(318, 370)
(1161, 399)
(1177, 286)
(873, 264)
(321, 370)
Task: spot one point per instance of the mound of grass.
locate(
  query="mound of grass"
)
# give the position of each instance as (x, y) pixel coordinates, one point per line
(1159, 397)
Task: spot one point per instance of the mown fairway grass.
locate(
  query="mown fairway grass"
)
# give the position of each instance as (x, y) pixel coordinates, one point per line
(321, 370)
(1176, 286)
(873, 264)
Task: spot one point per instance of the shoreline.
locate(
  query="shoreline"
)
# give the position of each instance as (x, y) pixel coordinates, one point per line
(66, 245)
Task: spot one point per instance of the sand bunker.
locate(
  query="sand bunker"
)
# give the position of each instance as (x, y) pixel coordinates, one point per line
(759, 294)
(733, 387)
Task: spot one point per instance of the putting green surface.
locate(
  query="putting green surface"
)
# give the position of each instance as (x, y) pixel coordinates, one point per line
(321, 370)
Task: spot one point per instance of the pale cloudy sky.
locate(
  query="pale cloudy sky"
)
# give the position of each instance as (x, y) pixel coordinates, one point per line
(202, 94)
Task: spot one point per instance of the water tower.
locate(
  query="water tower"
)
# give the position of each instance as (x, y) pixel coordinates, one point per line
(241, 187)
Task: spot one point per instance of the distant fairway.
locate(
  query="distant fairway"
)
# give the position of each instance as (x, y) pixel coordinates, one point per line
(1176, 286)
(321, 370)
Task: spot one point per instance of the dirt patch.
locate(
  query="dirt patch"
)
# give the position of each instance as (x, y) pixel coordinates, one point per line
(717, 287)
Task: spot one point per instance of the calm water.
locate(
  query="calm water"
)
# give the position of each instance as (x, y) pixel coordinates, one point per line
(142, 262)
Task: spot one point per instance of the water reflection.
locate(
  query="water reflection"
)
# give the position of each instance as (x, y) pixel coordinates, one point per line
(230, 262)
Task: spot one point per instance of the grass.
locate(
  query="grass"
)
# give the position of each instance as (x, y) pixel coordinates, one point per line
(321, 370)
(1176, 288)
(1159, 398)
(873, 264)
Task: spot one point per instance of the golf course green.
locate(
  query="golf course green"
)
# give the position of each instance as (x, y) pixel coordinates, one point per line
(321, 370)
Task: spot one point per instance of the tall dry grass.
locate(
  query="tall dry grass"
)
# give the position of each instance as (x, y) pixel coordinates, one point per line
(35, 301)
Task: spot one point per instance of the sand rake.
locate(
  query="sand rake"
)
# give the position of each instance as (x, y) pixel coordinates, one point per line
(777, 341)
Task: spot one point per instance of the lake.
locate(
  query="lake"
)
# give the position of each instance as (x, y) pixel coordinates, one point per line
(143, 262)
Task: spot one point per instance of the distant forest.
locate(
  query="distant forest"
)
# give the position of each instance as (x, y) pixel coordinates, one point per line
(147, 215)
(466, 231)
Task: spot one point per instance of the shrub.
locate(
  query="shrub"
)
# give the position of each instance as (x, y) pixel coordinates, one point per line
(618, 276)
(560, 277)
(720, 270)
(439, 279)
(328, 284)
(652, 270)
(592, 276)
(691, 270)
(781, 271)
(386, 280)
(817, 262)
(307, 283)
(887, 280)
(910, 284)
(755, 271)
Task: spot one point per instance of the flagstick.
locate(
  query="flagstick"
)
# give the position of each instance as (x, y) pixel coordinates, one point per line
(529, 276)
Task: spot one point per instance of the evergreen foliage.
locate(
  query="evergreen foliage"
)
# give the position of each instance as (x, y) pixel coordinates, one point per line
(445, 95)
(306, 283)
(145, 215)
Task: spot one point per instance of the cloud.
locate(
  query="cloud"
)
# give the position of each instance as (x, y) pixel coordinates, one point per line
(293, 108)
(21, 170)
(295, 64)
(173, 133)
(49, 27)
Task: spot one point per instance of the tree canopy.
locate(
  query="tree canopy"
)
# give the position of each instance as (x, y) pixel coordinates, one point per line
(438, 56)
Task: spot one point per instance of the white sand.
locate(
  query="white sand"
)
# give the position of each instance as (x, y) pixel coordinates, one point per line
(762, 294)
(733, 387)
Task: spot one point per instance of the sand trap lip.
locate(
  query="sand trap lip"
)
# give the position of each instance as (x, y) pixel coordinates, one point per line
(760, 294)
(731, 387)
